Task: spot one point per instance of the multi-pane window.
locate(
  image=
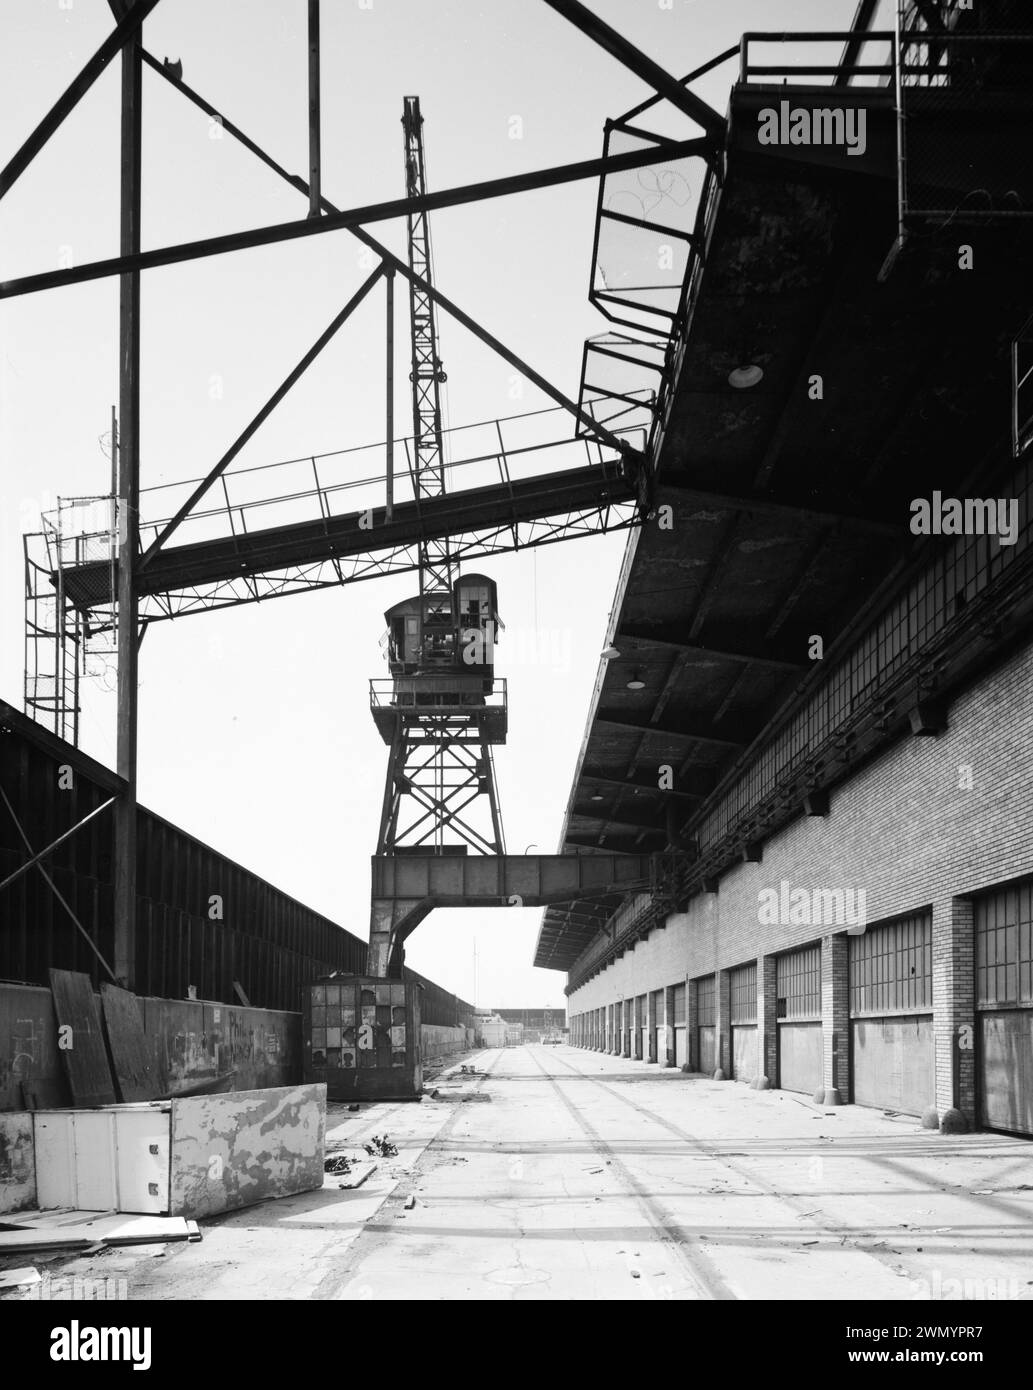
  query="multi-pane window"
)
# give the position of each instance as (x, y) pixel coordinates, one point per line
(1004, 946)
(705, 1002)
(744, 994)
(891, 968)
(798, 984)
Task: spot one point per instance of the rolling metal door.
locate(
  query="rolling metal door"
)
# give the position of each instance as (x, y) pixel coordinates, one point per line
(798, 1010)
(743, 994)
(656, 1013)
(1004, 1001)
(706, 1017)
(891, 1025)
(680, 1036)
(641, 1043)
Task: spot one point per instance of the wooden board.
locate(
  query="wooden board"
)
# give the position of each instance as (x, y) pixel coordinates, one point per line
(86, 1060)
(96, 1228)
(43, 1093)
(130, 1052)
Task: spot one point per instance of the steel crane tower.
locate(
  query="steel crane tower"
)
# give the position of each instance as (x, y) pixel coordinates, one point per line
(427, 375)
(442, 710)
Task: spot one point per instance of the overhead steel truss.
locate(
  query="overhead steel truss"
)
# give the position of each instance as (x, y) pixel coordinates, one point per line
(135, 607)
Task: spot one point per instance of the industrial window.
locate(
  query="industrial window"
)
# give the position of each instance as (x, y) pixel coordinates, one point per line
(705, 1013)
(918, 617)
(744, 994)
(891, 968)
(679, 1004)
(1004, 947)
(798, 984)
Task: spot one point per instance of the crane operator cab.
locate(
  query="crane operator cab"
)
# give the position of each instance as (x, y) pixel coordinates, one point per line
(441, 649)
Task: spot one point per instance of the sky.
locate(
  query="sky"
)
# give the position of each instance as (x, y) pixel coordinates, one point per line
(255, 734)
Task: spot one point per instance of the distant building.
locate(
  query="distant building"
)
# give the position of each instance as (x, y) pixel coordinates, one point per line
(536, 1023)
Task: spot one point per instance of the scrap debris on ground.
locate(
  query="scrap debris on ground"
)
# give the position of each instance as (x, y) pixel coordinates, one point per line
(380, 1146)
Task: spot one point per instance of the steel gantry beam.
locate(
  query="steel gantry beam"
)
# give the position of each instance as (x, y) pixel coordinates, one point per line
(350, 218)
(133, 569)
(642, 66)
(274, 400)
(370, 541)
(406, 888)
(128, 27)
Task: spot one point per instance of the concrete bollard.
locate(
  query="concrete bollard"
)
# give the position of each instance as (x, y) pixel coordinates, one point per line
(953, 1122)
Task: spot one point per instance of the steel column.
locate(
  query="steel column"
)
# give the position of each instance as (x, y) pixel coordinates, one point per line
(129, 517)
(74, 92)
(314, 157)
(389, 498)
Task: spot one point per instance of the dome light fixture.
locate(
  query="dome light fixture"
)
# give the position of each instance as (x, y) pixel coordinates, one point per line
(742, 378)
(636, 682)
(597, 796)
(609, 653)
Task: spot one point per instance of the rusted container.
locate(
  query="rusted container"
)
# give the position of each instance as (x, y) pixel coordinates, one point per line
(361, 1036)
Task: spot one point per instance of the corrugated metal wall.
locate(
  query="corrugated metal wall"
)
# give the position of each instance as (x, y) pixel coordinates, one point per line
(270, 942)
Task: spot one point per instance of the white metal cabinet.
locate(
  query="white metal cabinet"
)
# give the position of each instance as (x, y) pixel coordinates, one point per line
(110, 1159)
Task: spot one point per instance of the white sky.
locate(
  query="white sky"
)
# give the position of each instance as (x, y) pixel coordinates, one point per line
(255, 734)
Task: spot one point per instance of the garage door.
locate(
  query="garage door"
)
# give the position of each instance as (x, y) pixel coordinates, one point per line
(798, 1010)
(641, 1036)
(891, 1023)
(656, 1014)
(1004, 1000)
(706, 1001)
(681, 1054)
(743, 992)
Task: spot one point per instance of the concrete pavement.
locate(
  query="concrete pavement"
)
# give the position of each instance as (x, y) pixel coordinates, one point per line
(561, 1174)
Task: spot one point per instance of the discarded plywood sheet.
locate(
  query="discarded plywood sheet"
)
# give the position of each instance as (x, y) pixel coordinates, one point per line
(29, 1033)
(130, 1050)
(82, 1045)
(41, 1093)
(232, 1150)
(97, 1228)
(30, 1239)
(17, 1162)
(19, 1278)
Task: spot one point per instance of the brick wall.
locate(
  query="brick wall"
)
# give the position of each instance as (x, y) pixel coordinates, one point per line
(910, 832)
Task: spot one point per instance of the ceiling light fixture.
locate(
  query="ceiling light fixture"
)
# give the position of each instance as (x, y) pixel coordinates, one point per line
(597, 796)
(742, 378)
(609, 653)
(636, 683)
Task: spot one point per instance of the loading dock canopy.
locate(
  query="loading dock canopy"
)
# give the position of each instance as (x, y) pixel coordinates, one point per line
(783, 510)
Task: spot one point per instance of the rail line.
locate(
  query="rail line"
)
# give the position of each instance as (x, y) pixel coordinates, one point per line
(704, 1276)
